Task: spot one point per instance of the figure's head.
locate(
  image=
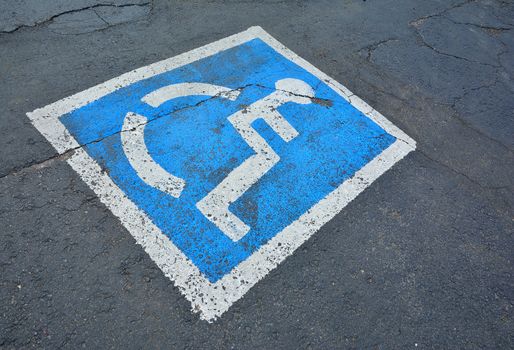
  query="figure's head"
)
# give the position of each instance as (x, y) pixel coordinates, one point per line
(302, 91)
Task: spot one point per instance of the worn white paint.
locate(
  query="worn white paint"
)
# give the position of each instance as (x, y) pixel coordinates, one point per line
(133, 137)
(166, 93)
(213, 299)
(215, 205)
(134, 146)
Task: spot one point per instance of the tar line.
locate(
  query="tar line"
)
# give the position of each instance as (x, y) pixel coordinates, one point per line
(223, 160)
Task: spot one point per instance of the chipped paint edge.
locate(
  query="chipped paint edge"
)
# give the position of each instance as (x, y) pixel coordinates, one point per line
(213, 299)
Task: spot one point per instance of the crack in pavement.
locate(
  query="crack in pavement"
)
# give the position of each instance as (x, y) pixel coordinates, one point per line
(484, 27)
(68, 153)
(92, 7)
(491, 30)
(373, 46)
(419, 21)
(100, 17)
(426, 44)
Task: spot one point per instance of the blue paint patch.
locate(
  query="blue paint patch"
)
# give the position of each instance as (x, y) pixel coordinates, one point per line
(191, 138)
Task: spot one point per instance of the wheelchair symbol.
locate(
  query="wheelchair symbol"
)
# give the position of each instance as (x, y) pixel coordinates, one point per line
(215, 205)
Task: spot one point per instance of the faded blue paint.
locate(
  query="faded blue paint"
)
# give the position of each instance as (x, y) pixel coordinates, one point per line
(199, 145)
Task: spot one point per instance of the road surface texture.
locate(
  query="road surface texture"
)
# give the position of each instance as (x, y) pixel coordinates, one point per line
(423, 258)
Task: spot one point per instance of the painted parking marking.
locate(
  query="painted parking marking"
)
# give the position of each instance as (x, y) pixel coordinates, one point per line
(222, 161)
(215, 206)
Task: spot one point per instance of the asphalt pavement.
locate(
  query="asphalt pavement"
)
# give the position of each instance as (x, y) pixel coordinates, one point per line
(423, 258)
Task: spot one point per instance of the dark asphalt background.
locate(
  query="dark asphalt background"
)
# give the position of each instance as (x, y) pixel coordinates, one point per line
(422, 259)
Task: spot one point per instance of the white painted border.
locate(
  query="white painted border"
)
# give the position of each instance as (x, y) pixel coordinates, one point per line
(213, 299)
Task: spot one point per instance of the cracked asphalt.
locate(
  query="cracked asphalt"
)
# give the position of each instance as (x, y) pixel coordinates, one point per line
(423, 258)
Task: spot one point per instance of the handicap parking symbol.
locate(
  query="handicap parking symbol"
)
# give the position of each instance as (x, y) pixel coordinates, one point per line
(223, 160)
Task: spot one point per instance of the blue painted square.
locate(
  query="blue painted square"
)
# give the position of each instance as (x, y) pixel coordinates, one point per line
(191, 138)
